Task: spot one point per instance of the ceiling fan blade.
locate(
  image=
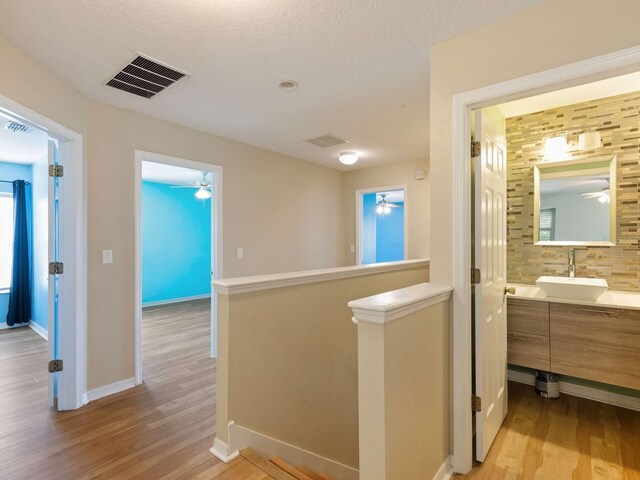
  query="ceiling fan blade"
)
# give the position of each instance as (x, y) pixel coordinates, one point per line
(593, 194)
(183, 186)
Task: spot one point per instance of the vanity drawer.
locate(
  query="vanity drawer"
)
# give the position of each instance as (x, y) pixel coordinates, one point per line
(596, 343)
(527, 316)
(528, 350)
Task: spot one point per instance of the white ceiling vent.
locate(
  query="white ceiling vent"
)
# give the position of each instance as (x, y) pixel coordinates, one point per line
(326, 141)
(145, 77)
(16, 127)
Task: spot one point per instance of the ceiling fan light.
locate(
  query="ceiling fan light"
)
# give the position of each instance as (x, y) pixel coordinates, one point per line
(386, 209)
(379, 209)
(203, 193)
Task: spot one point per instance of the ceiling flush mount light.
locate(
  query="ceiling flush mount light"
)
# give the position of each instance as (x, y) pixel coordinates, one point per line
(589, 141)
(288, 85)
(555, 148)
(348, 158)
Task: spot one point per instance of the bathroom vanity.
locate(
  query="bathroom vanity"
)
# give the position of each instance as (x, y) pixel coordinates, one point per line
(594, 340)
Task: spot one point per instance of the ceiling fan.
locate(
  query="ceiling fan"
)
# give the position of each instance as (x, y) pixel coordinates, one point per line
(384, 206)
(603, 196)
(203, 186)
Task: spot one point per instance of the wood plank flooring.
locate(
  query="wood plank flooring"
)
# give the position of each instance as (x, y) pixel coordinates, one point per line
(565, 439)
(162, 429)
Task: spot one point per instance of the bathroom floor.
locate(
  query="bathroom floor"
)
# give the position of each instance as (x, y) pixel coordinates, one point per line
(564, 439)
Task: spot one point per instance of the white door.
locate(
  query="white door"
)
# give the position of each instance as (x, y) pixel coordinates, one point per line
(54, 280)
(491, 259)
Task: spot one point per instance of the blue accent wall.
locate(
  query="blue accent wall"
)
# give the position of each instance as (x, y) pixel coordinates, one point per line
(390, 235)
(382, 235)
(176, 243)
(11, 172)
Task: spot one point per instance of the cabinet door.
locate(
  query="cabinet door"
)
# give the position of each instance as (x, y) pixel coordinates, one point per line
(527, 350)
(528, 316)
(596, 343)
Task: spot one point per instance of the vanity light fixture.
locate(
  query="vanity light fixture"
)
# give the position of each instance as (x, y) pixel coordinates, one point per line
(555, 148)
(589, 140)
(348, 158)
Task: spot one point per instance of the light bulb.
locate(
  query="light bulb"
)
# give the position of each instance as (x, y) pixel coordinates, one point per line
(379, 209)
(604, 199)
(386, 209)
(203, 193)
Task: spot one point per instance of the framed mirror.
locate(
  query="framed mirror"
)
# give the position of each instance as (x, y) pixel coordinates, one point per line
(575, 202)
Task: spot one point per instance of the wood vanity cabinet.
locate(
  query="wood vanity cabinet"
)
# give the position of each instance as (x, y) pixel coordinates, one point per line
(595, 343)
(528, 334)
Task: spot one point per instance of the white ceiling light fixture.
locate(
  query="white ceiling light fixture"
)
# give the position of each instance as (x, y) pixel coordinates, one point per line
(348, 158)
(589, 141)
(556, 148)
(203, 193)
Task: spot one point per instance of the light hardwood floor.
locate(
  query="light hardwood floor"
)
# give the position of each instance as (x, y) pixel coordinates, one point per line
(564, 439)
(162, 429)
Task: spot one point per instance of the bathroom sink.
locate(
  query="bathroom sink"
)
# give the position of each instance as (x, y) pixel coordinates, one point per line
(572, 288)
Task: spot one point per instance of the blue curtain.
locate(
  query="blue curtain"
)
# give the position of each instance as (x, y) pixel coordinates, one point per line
(20, 296)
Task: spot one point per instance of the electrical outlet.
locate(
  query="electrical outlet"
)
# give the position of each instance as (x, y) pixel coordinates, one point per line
(239, 253)
(107, 256)
(353, 249)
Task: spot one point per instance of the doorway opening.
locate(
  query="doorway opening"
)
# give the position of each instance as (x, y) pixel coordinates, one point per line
(467, 247)
(178, 253)
(42, 275)
(381, 225)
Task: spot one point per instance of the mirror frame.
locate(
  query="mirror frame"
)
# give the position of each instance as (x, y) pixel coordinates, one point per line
(538, 172)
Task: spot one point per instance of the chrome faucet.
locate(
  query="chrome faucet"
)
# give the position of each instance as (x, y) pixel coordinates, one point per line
(572, 263)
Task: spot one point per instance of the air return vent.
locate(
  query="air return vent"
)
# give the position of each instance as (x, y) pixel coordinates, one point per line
(326, 141)
(145, 77)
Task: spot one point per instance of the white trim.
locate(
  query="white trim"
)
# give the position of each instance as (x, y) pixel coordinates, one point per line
(582, 391)
(241, 438)
(112, 388)
(445, 472)
(387, 307)
(216, 242)
(234, 286)
(175, 300)
(73, 238)
(569, 75)
(39, 330)
(223, 451)
(359, 207)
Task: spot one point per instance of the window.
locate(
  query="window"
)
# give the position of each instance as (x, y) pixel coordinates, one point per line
(547, 224)
(6, 239)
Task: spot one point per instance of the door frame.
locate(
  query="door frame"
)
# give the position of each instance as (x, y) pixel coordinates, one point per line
(578, 73)
(359, 218)
(72, 306)
(216, 241)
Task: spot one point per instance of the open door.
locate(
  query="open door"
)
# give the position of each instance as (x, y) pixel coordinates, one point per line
(54, 278)
(491, 259)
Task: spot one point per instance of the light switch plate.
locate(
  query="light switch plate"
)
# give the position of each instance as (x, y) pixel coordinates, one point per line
(239, 253)
(107, 256)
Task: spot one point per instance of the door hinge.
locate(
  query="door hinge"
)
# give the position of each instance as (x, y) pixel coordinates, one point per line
(476, 277)
(476, 149)
(55, 366)
(56, 170)
(56, 268)
(476, 404)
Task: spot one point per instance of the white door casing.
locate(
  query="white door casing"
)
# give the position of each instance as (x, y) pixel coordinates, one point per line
(491, 259)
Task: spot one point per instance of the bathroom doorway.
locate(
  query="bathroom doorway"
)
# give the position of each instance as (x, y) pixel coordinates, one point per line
(381, 225)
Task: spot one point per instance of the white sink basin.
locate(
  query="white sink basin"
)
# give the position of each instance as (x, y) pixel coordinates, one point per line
(572, 288)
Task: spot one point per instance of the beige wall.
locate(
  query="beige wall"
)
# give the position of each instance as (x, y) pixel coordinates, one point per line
(552, 34)
(289, 369)
(618, 121)
(404, 395)
(281, 210)
(417, 202)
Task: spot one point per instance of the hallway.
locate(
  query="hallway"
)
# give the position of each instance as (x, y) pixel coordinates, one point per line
(162, 429)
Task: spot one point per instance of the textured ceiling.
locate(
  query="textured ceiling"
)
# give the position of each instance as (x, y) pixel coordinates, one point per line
(362, 65)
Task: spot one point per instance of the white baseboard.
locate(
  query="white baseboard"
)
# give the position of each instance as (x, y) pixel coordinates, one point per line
(223, 451)
(4, 326)
(175, 300)
(590, 393)
(445, 472)
(39, 330)
(110, 389)
(240, 438)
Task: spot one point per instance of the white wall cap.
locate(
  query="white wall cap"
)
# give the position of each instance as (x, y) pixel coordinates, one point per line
(389, 306)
